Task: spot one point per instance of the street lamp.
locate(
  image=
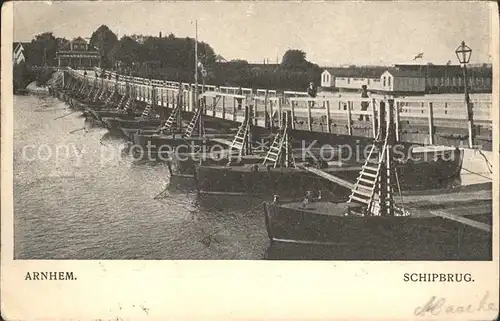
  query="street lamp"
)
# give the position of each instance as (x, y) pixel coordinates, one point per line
(463, 53)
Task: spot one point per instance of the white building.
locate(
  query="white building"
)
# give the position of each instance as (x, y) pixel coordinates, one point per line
(352, 78)
(402, 81)
(18, 53)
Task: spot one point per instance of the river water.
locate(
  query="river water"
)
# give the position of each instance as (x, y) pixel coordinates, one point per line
(78, 196)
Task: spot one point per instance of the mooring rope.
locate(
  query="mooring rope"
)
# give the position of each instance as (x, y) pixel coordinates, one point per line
(399, 190)
(490, 166)
(476, 173)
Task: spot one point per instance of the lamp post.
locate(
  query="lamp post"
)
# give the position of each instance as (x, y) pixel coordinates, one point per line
(463, 53)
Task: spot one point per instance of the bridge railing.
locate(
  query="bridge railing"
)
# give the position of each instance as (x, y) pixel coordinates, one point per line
(337, 114)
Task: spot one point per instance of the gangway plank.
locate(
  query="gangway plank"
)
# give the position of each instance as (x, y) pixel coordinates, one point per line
(460, 219)
(337, 180)
(222, 141)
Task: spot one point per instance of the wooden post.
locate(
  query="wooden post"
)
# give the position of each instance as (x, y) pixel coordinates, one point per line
(292, 106)
(191, 98)
(161, 96)
(214, 105)
(223, 107)
(234, 109)
(267, 116)
(309, 116)
(327, 107)
(271, 119)
(349, 118)
(470, 123)
(278, 102)
(431, 124)
(374, 120)
(396, 121)
(254, 113)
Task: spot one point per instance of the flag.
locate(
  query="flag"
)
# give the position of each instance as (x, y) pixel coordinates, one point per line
(420, 55)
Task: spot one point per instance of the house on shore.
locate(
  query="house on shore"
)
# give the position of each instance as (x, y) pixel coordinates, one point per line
(402, 82)
(450, 78)
(352, 78)
(19, 52)
(408, 79)
(78, 54)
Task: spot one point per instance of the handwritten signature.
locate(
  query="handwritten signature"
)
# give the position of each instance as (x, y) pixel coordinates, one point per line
(437, 306)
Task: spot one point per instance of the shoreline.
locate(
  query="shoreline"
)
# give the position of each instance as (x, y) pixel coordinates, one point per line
(33, 89)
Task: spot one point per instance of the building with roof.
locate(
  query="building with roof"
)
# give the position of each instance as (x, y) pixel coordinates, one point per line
(220, 59)
(78, 54)
(408, 79)
(398, 81)
(352, 78)
(450, 78)
(18, 52)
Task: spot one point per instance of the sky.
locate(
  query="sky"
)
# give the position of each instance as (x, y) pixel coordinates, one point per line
(330, 33)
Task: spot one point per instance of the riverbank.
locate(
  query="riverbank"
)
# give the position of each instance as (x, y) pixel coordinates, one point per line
(34, 89)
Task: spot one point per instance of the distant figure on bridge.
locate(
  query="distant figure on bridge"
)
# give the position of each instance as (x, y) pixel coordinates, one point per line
(180, 93)
(239, 100)
(312, 91)
(364, 104)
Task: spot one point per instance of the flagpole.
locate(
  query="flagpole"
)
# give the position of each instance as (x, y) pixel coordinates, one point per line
(196, 56)
(197, 105)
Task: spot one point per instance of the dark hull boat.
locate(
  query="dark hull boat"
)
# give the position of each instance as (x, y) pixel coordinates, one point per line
(375, 224)
(423, 168)
(258, 180)
(132, 122)
(162, 145)
(419, 236)
(99, 114)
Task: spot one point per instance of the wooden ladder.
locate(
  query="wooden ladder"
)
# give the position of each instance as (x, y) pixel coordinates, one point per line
(364, 191)
(194, 121)
(103, 93)
(280, 146)
(147, 111)
(81, 89)
(240, 139)
(168, 123)
(129, 105)
(90, 93)
(111, 96)
(98, 94)
(121, 102)
(274, 152)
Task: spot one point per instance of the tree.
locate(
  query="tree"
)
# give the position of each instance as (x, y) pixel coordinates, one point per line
(126, 51)
(294, 59)
(104, 39)
(61, 42)
(42, 50)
